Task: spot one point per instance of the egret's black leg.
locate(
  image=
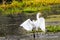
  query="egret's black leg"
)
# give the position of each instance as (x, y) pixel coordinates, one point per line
(34, 36)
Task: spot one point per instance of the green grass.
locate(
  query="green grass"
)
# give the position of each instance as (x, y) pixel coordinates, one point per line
(53, 28)
(16, 7)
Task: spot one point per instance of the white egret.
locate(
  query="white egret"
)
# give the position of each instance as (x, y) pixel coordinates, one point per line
(39, 23)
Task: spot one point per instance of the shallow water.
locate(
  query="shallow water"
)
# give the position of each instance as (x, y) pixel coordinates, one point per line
(7, 21)
(50, 36)
(47, 37)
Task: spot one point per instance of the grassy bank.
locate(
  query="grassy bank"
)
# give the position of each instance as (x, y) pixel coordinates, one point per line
(24, 7)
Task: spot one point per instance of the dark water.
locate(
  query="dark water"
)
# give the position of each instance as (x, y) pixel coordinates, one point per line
(7, 24)
(49, 36)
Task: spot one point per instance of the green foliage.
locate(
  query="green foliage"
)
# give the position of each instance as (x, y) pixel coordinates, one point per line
(1, 10)
(53, 28)
(11, 11)
(30, 10)
(29, 7)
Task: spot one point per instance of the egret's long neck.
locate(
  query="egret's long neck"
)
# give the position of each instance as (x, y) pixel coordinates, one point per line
(37, 16)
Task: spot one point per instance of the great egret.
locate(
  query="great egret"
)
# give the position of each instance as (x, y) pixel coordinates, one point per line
(39, 23)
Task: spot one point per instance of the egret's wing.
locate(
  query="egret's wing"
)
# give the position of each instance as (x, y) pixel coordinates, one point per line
(41, 23)
(27, 25)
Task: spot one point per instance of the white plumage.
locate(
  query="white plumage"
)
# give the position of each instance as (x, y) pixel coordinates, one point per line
(39, 23)
(27, 25)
